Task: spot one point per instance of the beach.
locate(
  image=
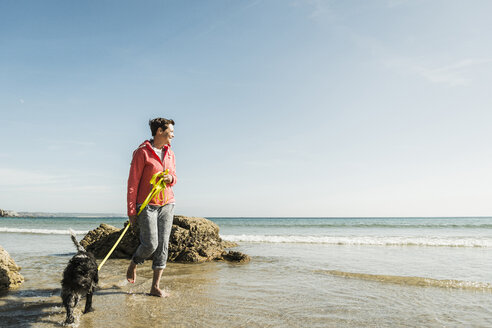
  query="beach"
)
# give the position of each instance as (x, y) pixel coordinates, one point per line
(304, 272)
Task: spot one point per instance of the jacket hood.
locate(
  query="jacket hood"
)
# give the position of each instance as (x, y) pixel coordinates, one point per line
(149, 144)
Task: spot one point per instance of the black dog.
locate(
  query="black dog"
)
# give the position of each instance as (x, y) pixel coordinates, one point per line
(79, 278)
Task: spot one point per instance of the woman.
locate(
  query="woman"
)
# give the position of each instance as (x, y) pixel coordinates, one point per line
(155, 221)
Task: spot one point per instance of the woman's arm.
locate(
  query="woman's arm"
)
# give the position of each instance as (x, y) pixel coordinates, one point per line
(136, 170)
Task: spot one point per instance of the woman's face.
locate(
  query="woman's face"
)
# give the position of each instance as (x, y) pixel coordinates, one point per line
(168, 134)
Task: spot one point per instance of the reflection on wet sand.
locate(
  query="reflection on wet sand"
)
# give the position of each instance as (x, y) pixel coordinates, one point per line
(24, 311)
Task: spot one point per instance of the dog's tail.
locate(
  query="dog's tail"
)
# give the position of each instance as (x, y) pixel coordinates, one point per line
(80, 248)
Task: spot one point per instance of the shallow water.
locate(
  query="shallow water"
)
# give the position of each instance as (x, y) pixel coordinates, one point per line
(286, 284)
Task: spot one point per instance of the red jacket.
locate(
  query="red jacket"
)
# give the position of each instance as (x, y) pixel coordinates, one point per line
(145, 163)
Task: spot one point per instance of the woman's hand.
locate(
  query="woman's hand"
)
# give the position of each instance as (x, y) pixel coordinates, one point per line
(168, 178)
(133, 219)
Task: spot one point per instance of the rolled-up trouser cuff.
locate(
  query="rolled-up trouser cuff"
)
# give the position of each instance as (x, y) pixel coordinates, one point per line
(158, 267)
(136, 260)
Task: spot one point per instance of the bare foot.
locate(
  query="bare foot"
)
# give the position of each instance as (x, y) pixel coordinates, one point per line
(155, 291)
(131, 273)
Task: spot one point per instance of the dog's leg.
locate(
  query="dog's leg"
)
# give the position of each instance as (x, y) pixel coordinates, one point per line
(88, 302)
(69, 301)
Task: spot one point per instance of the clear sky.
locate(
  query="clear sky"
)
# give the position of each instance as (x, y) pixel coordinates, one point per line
(282, 108)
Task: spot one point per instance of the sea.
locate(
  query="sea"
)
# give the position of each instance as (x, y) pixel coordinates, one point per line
(304, 272)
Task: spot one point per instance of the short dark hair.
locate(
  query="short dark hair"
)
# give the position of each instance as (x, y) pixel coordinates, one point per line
(159, 123)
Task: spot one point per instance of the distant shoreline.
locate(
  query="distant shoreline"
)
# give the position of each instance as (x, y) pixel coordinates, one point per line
(14, 214)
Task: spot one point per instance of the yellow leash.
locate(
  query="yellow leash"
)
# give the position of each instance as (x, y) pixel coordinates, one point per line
(157, 191)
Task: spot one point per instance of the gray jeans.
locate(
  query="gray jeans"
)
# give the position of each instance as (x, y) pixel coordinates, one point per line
(155, 224)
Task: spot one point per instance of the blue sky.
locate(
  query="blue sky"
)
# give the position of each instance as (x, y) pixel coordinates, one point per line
(282, 108)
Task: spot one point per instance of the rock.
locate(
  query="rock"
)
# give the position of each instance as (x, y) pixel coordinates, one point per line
(228, 244)
(193, 239)
(9, 271)
(234, 256)
(6, 213)
(96, 241)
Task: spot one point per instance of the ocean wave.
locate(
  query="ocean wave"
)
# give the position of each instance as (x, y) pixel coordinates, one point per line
(41, 231)
(413, 281)
(362, 241)
(402, 225)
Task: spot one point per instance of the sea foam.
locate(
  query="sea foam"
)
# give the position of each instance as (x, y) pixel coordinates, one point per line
(363, 241)
(41, 231)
